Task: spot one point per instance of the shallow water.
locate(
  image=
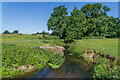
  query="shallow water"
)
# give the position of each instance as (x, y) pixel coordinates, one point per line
(73, 67)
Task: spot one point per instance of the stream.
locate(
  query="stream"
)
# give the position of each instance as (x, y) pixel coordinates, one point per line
(73, 67)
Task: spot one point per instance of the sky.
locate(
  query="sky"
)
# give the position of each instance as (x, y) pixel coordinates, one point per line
(31, 17)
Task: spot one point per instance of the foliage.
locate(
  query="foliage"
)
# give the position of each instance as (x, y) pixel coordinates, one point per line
(7, 72)
(74, 49)
(15, 32)
(103, 70)
(6, 32)
(56, 61)
(54, 33)
(57, 20)
(15, 55)
(91, 20)
(44, 33)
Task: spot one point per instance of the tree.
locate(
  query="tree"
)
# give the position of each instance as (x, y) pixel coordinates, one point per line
(113, 27)
(37, 33)
(68, 32)
(78, 20)
(91, 20)
(6, 32)
(56, 22)
(54, 33)
(96, 19)
(44, 33)
(15, 32)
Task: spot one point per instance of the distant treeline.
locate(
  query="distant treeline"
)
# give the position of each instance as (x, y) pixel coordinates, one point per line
(91, 20)
(7, 32)
(16, 32)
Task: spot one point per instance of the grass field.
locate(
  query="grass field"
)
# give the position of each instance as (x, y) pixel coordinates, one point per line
(106, 46)
(17, 52)
(30, 40)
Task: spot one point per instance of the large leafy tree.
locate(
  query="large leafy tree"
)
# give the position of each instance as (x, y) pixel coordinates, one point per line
(69, 32)
(78, 21)
(96, 18)
(91, 20)
(113, 27)
(56, 22)
(75, 26)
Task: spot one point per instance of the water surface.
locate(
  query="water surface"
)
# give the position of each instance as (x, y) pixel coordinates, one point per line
(73, 67)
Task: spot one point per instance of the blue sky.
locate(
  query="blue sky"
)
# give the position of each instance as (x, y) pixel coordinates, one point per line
(31, 17)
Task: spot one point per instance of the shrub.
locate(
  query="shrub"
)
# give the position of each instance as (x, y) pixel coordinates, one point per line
(104, 70)
(56, 60)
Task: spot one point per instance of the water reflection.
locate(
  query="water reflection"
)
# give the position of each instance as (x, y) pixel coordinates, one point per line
(73, 67)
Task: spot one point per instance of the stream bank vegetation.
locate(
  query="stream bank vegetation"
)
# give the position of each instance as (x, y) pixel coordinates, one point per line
(90, 28)
(106, 65)
(18, 56)
(89, 32)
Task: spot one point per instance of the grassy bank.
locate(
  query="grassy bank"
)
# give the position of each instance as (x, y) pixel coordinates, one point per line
(106, 46)
(104, 68)
(18, 54)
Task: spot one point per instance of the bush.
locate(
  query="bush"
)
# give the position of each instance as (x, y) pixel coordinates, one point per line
(104, 70)
(56, 60)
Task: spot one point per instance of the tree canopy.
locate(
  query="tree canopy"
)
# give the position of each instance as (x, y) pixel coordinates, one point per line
(15, 32)
(6, 32)
(56, 22)
(91, 20)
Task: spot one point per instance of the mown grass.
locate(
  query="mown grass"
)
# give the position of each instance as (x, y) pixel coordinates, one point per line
(106, 46)
(17, 51)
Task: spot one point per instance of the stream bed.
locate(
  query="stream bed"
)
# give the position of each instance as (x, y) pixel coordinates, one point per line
(73, 67)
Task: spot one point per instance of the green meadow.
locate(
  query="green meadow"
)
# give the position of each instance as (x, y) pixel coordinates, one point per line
(29, 40)
(83, 33)
(17, 52)
(106, 46)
